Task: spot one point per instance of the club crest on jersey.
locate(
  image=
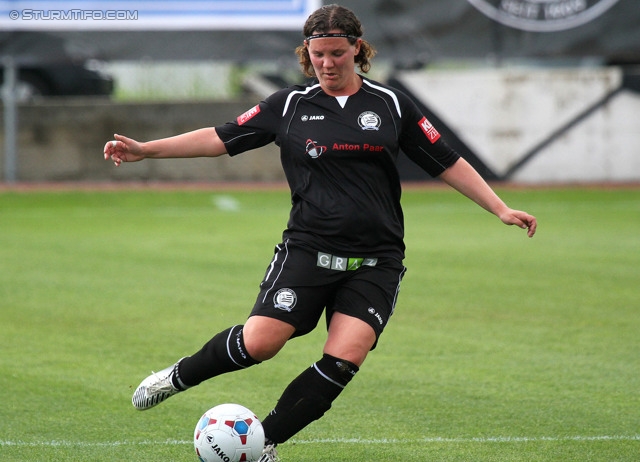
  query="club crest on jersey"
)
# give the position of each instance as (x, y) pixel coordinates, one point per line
(429, 130)
(369, 120)
(314, 150)
(285, 299)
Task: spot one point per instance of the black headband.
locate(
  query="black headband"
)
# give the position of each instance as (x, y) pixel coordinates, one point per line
(338, 34)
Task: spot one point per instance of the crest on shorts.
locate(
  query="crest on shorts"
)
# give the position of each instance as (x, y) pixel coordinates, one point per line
(285, 299)
(543, 15)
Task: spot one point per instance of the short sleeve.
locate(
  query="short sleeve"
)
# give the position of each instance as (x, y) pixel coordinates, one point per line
(421, 141)
(253, 129)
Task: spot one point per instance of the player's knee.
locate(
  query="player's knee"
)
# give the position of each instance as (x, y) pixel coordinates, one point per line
(262, 352)
(264, 337)
(262, 347)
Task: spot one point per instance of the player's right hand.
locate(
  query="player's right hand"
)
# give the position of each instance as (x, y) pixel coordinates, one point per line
(122, 149)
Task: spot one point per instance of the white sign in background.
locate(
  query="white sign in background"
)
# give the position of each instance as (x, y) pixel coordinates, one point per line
(156, 14)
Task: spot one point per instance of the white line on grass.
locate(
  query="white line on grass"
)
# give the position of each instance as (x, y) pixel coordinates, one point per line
(496, 439)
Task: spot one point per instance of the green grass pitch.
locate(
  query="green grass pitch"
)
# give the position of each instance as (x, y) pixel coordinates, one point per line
(502, 348)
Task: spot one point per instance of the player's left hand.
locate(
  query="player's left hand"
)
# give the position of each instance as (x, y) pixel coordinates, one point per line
(521, 219)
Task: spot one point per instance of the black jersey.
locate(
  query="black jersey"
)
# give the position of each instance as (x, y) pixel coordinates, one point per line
(339, 155)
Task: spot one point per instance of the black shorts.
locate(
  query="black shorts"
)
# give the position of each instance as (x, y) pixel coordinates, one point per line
(300, 283)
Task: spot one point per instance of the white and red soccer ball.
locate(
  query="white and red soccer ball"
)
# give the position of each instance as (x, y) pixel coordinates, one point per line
(229, 433)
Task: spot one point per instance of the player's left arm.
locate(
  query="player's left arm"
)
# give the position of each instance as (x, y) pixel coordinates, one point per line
(465, 179)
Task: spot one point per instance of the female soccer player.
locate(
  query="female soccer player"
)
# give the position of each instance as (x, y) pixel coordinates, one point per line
(342, 250)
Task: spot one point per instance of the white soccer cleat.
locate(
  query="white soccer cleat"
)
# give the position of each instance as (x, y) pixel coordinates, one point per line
(155, 389)
(269, 454)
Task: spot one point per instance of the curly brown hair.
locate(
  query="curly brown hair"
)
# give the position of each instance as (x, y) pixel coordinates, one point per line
(329, 18)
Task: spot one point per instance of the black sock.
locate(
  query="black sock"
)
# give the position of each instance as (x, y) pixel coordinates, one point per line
(223, 353)
(308, 397)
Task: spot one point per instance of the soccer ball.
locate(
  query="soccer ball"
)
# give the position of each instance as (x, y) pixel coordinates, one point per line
(229, 433)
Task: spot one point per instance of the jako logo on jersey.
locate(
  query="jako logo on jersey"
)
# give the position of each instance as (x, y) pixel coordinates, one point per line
(314, 150)
(285, 299)
(306, 118)
(369, 121)
(429, 130)
(247, 116)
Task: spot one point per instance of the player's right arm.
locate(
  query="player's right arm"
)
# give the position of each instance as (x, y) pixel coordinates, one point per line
(204, 142)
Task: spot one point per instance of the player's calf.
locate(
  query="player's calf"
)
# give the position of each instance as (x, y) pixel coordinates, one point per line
(308, 397)
(225, 352)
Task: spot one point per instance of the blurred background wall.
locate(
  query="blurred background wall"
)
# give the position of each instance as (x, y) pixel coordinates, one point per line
(530, 91)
